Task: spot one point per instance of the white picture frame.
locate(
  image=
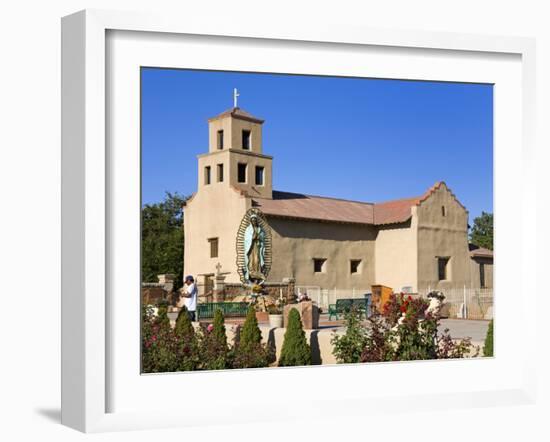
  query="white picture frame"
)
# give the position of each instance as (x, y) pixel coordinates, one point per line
(88, 172)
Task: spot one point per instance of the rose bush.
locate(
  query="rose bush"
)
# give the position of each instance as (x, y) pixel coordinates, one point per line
(408, 329)
(182, 348)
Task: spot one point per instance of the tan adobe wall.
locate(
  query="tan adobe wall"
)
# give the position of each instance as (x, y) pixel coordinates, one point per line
(475, 281)
(396, 256)
(233, 128)
(252, 160)
(214, 212)
(442, 236)
(297, 242)
(230, 160)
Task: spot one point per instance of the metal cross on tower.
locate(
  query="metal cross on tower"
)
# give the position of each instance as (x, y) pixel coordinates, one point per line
(235, 95)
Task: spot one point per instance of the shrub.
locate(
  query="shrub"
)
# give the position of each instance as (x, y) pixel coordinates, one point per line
(188, 354)
(296, 350)
(349, 347)
(488, 346)
(407, 330)
(214, 350)
(248, 350)
(159, 346)
(250, 333)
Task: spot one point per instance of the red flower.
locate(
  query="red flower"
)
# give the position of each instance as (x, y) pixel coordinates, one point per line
(409, 298)
(154, 338)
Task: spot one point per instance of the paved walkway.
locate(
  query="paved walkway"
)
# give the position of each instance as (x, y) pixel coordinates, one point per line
(464, 328)
(458, 328)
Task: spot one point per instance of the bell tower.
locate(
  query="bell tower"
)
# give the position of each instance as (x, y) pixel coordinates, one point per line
(235, 157)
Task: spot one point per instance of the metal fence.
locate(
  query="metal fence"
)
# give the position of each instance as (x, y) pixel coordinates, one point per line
(468, 303)
(324, 297)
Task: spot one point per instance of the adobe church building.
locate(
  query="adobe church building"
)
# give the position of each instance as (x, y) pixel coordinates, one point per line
(412, 244)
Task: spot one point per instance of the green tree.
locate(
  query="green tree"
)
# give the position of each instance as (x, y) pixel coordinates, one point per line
(482, 231)
(218, 331)
(250, 333)
(488, 346)
(248, 350)
(214, 348)
(296, 350)
(184, 327)
(162, 239)
(187, 346)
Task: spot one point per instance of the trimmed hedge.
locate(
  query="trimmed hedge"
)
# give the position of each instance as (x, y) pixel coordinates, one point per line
(488, 346)
(296, 350)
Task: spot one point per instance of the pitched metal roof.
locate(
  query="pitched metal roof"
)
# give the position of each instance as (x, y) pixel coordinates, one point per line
(480, 252)
(297, 205)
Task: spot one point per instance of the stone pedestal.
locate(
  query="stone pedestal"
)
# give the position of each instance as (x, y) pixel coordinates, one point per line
(167, 280)
(309, 314)
(219, 288)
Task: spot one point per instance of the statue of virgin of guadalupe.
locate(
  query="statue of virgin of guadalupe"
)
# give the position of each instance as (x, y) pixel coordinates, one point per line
(254, 246)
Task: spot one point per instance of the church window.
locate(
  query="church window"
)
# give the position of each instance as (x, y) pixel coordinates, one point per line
(241, 173)
(213, 247)
(443, 268)
(443, 211)
(220, 173)
(220, 139)
(355, 266)
(259, 175)
(246, 139)
(319, 265)
(207, 175)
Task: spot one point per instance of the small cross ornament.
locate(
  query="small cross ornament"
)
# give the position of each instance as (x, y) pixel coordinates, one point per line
(235, 96)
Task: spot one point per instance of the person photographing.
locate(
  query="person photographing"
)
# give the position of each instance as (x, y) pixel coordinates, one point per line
(189, 292)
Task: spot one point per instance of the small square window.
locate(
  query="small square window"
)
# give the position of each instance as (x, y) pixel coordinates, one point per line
(355, 266)
(241, 173)
(207, 175)
(442, 268)
(319, 265)
(259, 175)
(213, 247)
(220, 173)
(246, 139)
(220, 139)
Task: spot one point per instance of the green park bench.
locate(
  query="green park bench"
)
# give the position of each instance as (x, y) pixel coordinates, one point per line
(345, 305)
(229, 309)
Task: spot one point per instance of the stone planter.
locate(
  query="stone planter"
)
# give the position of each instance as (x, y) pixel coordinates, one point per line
(276, 321)
(309, 314)
(262, 316)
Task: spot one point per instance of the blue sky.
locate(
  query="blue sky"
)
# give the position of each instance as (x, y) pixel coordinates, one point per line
(360, 139)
